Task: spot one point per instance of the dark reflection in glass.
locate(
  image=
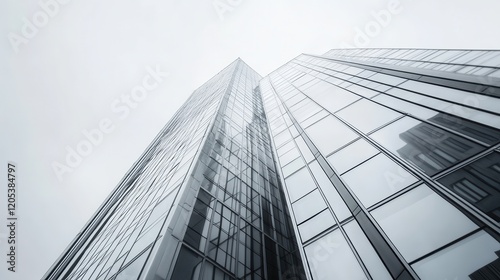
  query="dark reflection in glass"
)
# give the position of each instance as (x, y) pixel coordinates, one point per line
(478, 183)
(475, 130)
(489, 271)
(433, 149)
(240, 216)
(197, 226)
(187, 265)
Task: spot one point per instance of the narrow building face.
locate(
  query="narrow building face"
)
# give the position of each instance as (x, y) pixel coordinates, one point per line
(355, 164)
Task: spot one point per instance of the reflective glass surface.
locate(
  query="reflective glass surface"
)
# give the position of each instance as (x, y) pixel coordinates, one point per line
(230, 188)
(299, 184)
(368, 255)
(376, 179)
(329, 134)
(461, 260)
(479, 184)
(331, 258)
(352, 155)
(434, 222)
(308, 206)
(426, 146)
(366, 115)
(316, 225)
(336, 203)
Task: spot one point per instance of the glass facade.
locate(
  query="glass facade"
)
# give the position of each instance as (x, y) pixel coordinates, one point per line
(390, 159)
(355, 164)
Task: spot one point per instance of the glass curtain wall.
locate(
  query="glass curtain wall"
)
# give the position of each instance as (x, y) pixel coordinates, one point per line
(391, 170)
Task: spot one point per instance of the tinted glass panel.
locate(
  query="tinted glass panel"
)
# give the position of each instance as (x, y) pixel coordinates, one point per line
(434, 222)
(424, 145)
(307, 206)
(487, 103)
(332, 196)
(187, 264)
(370, 258)
(478, 183)
(134, 269)
(335, 99)
(376, 179)
(304, 149)
(330, 134)
(293, 166)
(352, 155)
(316, 225)
(299, 184)
(472, 255)
(366, 115)
(331, 258)
(368, 93)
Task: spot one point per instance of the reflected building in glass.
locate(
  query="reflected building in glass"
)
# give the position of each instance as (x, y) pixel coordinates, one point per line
(355, 164)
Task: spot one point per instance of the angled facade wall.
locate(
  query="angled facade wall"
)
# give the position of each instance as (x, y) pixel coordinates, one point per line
(390, 160)
(354, 164)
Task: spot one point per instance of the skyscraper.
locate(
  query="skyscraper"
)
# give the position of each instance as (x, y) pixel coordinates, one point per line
(355, 164)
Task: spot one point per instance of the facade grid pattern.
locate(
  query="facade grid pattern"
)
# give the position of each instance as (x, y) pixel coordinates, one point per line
(355, 164)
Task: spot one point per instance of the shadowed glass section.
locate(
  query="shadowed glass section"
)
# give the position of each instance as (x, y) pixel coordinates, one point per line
(479, 184)
(428, 147)
(239, 227)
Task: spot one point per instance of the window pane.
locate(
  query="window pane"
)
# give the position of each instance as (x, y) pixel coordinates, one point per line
(331, 258)
(289, 156)
(484, 102)
(132, 271)
(365, 250)
(316, 225)
(424, 145)
(304, 80)
(318, 88)
(281, 138)
(368, 93)
(307, 122)
(352, 155)
(304, 149)
(405, 106)
(285, 148)
(478, 183)
(475, 130)
(187, 266)
(366, 115)
(331, 194)
(335, 99)
(461, 259)
(293, 166)
(330, 134)
(447, 107)
(306, 111)
(376, 179)
(299, 184)
(434, 222)
(307, 206)
(387, 79)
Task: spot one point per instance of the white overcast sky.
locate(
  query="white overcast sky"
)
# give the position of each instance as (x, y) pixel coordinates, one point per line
(65, 78)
